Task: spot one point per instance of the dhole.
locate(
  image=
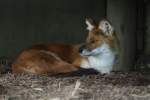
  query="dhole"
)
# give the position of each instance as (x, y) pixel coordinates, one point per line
(98, 52)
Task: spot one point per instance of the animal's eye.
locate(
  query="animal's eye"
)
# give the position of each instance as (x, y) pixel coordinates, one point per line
(96, 40)
(92, 41)
(97, 33)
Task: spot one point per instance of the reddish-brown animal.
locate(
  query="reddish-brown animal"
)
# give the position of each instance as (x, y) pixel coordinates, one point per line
(63, 58)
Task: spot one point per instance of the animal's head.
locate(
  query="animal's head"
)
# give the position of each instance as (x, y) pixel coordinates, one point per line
(98, 34)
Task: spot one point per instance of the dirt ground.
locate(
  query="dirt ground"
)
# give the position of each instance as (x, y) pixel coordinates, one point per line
(116, 86)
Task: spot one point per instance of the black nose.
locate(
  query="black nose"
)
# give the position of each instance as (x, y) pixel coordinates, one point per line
(81, 49)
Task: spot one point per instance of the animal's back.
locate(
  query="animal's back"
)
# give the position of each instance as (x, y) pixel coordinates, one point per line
(46, 58)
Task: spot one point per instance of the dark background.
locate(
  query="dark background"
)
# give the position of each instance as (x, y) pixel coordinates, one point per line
(27, 22)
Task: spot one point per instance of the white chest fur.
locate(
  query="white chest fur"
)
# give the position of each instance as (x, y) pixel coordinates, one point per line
(101, 59)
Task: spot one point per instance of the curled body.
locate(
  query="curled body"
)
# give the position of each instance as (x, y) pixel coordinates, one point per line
(49, 59)
(98, 52)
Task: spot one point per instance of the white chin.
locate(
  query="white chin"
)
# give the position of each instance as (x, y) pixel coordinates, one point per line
(90, 53)
(86, 53)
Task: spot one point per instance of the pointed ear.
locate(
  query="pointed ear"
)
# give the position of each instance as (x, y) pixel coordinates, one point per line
(90, 24)
(106, 27)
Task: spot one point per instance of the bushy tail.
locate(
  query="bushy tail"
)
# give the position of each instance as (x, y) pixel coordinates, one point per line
(5, 65)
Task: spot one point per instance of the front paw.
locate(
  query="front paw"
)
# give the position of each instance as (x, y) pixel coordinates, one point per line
(104, 71)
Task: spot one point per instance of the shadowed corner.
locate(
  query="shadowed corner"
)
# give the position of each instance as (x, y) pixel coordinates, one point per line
(80, 72)
(5, 65)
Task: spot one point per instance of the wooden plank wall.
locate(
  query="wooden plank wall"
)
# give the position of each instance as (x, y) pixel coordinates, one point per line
(122, 13)
(27, 22)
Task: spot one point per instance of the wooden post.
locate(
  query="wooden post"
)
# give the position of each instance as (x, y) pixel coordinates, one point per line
(122, 14)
